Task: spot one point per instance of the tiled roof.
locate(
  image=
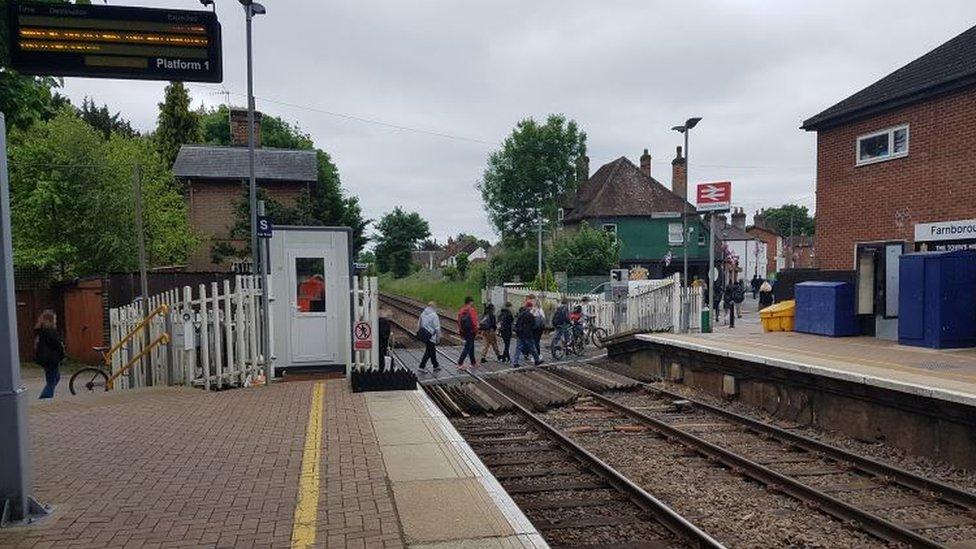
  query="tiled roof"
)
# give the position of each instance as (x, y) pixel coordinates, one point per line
(213, 162)
(621, 189)
(948, 67)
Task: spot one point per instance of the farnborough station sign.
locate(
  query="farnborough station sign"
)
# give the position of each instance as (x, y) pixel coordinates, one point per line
(946, 235)
(114, 42)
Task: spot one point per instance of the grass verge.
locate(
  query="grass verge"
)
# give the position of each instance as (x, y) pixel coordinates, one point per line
(427, 286)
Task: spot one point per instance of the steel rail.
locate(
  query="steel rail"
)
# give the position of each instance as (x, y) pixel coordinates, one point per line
(869, 522)
(661, 512)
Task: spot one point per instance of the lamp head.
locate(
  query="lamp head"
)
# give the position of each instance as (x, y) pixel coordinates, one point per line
(207, 2)
(692, 122)
(679, 129)
(253, 7)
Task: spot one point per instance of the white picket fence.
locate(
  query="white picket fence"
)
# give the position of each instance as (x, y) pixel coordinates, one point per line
(215, 330)
(660, 306)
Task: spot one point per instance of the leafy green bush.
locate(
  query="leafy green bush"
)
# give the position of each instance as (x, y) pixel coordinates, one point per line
(587, 251)
(511, 264)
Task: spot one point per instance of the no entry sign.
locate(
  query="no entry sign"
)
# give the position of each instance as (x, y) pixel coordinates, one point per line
(716, 196)
(363, 334)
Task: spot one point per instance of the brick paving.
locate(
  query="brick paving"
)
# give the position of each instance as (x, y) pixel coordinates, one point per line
(182, 468)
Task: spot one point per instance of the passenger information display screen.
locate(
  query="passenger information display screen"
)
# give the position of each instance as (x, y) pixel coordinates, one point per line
(114, 42)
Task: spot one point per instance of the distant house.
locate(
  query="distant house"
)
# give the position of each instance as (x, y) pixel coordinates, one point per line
(469, 247)
(747, 254)
(645, 215)
(896, 173)
(761, 230)
(214, 179)
(799, 251)
(428, 260)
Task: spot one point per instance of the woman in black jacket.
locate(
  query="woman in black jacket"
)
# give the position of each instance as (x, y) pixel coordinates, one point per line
(48, 350)
(505, 322)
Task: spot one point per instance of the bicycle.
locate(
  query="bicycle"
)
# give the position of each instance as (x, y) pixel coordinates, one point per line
(575, 345)
(101, 377)
(593, 333)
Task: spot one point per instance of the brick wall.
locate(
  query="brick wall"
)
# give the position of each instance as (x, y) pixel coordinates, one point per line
(884, 201)
(679, 176)
(772, 246)
(238, 128)
(212, 211)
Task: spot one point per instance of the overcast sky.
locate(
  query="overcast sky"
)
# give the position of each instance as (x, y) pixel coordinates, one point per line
(625, 70)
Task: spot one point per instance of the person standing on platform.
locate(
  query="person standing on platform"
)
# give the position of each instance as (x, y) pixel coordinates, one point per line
(48, 350)
(755, 284)
(488, 329)
(429, 331)
(525, 335)
(765, 295)
(738, 295)
(505, 323)
(468, 325)
(728, 299)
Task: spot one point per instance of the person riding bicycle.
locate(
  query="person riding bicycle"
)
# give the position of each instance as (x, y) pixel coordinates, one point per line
(560, 324)
(576, 320)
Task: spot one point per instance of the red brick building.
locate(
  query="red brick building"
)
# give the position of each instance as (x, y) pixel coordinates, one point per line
(215, 178)
(894, 156)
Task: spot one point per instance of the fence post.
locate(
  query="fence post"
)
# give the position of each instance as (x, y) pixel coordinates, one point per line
(204, 338)
(239, 327)
(218, 351)
(189, 337)
(229, 331)
(252, 322)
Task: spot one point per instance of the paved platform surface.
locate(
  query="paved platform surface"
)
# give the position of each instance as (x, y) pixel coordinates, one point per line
(944, 374)
(297, 464)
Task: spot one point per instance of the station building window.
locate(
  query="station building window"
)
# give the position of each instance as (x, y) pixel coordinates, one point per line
(883, 145)
(310, 290)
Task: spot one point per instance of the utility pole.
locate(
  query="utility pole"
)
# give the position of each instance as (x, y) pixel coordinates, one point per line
(540, 249)
(266, 303)
(251, 9)
(145, 365)
(711, 262)
(16, 479)
(792, 244)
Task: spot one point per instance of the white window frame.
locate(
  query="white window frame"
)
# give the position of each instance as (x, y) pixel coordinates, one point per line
(679, 242)
(610, 228)
(560, 215)
(891, 145)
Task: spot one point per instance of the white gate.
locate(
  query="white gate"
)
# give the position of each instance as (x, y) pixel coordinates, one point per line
(366, 306)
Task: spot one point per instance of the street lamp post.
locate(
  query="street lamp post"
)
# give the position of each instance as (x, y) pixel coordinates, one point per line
(251, 9)
(686, 129)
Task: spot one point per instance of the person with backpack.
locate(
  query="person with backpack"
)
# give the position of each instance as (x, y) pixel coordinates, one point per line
(468, 325)
(755, 284)
(506, 322)
(728, 300)
(525, 335)
(488, 328)
(539, 326)
(560, 325)
(48, 350)
(738, 295)
(765, 295)
(429, 332)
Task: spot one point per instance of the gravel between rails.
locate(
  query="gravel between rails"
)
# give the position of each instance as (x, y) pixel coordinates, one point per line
(613, 504)
(923, 466)
(735, 510)
(813, 471)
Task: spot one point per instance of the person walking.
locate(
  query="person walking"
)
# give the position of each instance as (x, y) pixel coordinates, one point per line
(728, 298)
(755, 284)
(560, 326)
(488, 329)
(765, 295)
(738, 295)
(525, 335)
(48, 350)
(505, 323)
(539, 327)
(468, 325)
(429, 332)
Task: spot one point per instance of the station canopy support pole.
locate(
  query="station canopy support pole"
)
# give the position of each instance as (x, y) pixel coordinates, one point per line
(16, 480)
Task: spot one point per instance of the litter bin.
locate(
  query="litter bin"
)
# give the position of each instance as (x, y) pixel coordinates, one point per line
(706, 321)
(779, 317)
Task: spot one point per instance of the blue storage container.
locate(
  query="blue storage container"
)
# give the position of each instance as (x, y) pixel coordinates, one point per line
(825, 308)
(937, 299)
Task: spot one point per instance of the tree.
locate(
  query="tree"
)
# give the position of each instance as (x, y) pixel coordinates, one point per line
(71, 200)
(429, 245)
(104, 121)
(534, 169)
(397, 235)
(512, 264)
(177, 124)
(588, 251)
(778, 219)
(461, 264)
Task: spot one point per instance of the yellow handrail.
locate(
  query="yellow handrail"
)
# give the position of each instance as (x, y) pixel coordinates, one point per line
(107, 356)
(161, 340)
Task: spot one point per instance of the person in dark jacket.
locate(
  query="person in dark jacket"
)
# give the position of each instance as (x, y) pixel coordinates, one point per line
(489, 329)
(48, 350)
(560, 325)
(728, 299)
(765, 295)
(755, 284)
(525, 335)
(468, 326)
(506, 322)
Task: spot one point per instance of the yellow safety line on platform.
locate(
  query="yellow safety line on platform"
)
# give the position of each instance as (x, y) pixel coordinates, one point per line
(306, 511)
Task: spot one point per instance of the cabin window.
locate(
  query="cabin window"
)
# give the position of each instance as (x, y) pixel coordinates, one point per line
(675, 231)
(610, 228)
(884, 145)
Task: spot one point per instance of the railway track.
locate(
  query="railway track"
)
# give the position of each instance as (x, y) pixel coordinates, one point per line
(572, 497)
(412, 308)
(889, 503)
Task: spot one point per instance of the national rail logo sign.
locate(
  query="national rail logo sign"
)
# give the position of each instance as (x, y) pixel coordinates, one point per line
(715, 196)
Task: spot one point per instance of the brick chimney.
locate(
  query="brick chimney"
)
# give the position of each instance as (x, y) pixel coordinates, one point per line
(679, 175)
(646, 163)
(759, 218)
(739, 219)
(583, 169)
(238, 127)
